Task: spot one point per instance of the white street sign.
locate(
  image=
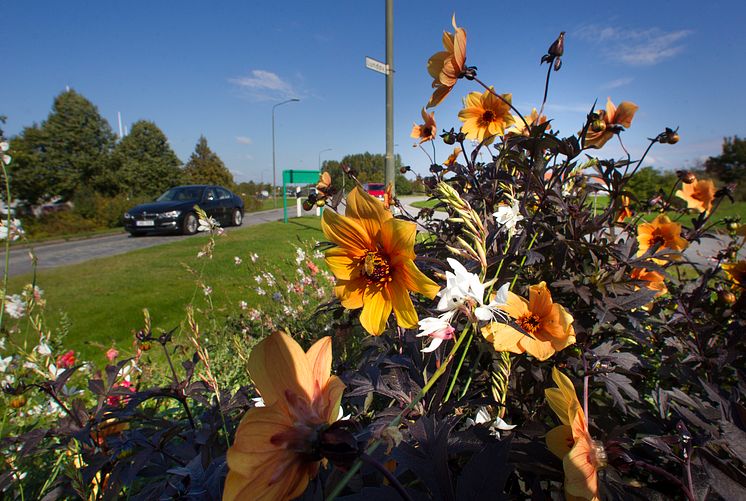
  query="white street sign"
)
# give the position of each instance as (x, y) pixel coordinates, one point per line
(376, 65)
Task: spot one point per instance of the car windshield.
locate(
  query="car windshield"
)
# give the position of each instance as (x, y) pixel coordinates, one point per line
(181, 194)
(375, 187)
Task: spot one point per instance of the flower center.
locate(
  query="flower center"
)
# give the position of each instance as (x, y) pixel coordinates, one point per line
(488, 117)
(655, 239)
(530, 323)
(377, 268)
(427, 131)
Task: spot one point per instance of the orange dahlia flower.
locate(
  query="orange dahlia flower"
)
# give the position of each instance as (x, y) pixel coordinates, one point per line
(374, 262)
(581, 456)
(446, 66)
(663, 231)
(626, 211)
(453, 156)
(546, 327)
(698, 195)
(519, 129)
(485, 115)
(272, 456)
(655, 281)
(736, 272)
(612, 118)
(428, 130)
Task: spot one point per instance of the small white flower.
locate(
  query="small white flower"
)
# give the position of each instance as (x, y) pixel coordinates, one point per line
(8, 380)
(258, 279)
(253, 257)
(2, 343)
(261, 291)
(300, 255)
(438, 328)
(30, 365)
(258, 402)
(237, 260)
(208, 224)
(15, 306)
(207, 290)
(509, 216)
(243, 305)
(5, 363)
(43, 349)
(7, 159)
(4, 146)
(462, 287)
(495, 425)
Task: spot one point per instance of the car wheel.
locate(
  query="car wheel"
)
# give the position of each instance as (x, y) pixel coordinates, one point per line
(237, 218)
(189, 224)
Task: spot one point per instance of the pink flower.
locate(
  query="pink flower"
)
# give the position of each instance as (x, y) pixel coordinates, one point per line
(115, 400)
(111, 354)
(66, 360)
(312, 267)
(437, 328)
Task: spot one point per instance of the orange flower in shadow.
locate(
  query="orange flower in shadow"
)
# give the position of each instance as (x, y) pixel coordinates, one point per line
(485, 116)
(374, 262)
(736, 273)
(655, 281)
(519, 128)
(388, 196)
(613, 119)
(453, 157)
(698, 195)
(661, 231)
(546, 327)
(428, 130)
(446, 66)
(273, 454)
(581, 456)
(626, 211)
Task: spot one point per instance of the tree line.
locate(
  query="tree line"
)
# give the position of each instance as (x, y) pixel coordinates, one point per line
(74, 153)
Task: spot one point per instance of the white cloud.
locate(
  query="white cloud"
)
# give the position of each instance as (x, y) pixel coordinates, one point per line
(636, 47)
(264, 85)
(619, 82)
(244, 140)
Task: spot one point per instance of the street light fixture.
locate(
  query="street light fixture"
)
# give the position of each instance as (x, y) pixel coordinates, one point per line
(274, 167)
(322, 151)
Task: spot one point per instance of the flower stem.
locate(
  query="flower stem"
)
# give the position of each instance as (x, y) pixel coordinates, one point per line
(523, 261)
(546, 90)
(7, 243)
(395, 422)
(386, 473)
(458, 367)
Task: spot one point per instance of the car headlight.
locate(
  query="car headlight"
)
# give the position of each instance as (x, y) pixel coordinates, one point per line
(127, 215)
(169, 214)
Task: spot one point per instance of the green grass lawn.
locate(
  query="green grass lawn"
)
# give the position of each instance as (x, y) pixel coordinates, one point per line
(103, 298)
(424, 204)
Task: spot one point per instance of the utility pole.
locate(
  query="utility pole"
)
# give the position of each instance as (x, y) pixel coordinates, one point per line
(390, 175)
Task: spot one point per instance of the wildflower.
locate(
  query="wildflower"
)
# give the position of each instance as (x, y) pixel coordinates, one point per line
(736, 273)
(485, 116)
(453, 157)
(14, 232)
(207, 290)
(446, 67)
(15, 306)
(208, 224)
(388, 196)
(243, 305)
(625, 212)
(254, 257)
(312, 267)
(254, 314)
(519, 128)
(655, 281)
(437, 328)
(508, 216)
(495, 425)
(237, 260)
(325, 182)
(612, 121)
(374, 262)
(112, 354)
(260, 291)
(464, 290)
(660, 231)
(428, 130)
(66, 360)
(546, 327)
(698, 194)
(117, 398)
(43, 348)
(277, 297)
(581, 456)
(300, 255)
(5, 363)
(274, 454)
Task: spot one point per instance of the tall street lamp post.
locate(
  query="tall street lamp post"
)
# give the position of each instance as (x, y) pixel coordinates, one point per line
(322, 151)
(274, 166)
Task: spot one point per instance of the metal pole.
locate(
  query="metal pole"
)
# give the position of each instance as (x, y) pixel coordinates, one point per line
(390, 176)
(274, 167)
(322, 151)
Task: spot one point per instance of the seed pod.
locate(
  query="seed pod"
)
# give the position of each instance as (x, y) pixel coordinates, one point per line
(18, 401)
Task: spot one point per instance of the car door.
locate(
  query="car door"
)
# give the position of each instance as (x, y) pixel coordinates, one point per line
(226, 205)
(211, 205)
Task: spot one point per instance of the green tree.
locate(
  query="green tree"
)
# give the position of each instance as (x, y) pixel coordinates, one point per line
(730, 165)
(648, 181)
(143, 163)
(205, 167)
(68, 152)
(369, 168)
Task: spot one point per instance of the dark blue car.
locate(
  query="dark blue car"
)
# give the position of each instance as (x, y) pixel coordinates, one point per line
(173, 212)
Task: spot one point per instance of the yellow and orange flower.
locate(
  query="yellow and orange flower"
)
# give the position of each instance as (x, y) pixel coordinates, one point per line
(581, 456)
(698, 195)
(388, 196)
(374, 262)
(272, 456)
(736, 273)
(428, 130)
(663, 231)
(546, 326)
(485, 116)
(453, 157)
(520, 129)
(611, 118)
(446, 66)
(625, 211)
(655, 281)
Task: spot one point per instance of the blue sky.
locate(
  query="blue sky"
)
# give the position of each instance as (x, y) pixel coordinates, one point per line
(217, 68)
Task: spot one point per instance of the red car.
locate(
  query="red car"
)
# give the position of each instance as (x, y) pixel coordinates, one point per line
(376, 189)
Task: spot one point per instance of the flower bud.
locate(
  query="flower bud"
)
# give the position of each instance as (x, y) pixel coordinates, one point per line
(686, 177)
(669, 136)
(404, 169)
(145, 346)
(449, 137)
(320, 203)
(598, 125)
(558, 46)
(18, 401)
(307, 205)
(726, 297)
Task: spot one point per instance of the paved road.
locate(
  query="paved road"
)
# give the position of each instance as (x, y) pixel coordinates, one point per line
(56, 254)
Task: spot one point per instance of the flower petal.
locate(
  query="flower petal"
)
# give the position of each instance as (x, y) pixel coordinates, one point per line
(345, 231)
(278, 364)
(367, 211)
(350, 292)
(560, 441)
(397, 238)
(406, 316)
(319, 357)
(343, 263)
(414, 280)
(376, 310)
(503, 337)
